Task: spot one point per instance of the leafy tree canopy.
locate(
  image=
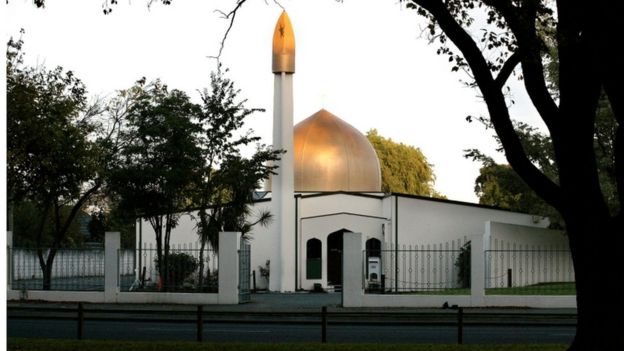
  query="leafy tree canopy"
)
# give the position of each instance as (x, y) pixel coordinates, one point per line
(56, 160)
(404, 168)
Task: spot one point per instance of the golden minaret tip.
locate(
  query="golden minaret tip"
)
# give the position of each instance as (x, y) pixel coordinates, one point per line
(283, 46)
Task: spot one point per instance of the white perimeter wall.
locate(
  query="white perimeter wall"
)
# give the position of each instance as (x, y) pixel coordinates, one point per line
(435, 222)
(534, 255)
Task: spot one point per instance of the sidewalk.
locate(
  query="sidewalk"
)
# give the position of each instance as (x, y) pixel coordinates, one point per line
(290, 302)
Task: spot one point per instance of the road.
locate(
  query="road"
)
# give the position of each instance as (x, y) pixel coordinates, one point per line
(288, 332)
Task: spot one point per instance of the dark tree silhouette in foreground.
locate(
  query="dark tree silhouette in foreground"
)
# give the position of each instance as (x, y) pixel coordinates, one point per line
(587, 40)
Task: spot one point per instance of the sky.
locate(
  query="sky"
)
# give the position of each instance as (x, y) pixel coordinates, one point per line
(366, 61)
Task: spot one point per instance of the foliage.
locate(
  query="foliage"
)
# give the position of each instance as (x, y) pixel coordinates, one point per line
(112, 219)
(25, 229)
(106, 5)
(500, 185)
(265, 271)
(158, 165)
(578, 41)
(56, 157)
(227, 179)
(178, 267)
(404, 168)
(463, 265)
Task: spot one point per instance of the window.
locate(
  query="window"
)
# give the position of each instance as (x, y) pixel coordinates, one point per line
(314, 261)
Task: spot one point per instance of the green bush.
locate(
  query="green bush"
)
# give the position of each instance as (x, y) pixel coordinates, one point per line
(463, 265)
(179, 266)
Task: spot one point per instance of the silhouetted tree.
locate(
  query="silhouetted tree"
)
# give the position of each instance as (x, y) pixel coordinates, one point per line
(587, 38)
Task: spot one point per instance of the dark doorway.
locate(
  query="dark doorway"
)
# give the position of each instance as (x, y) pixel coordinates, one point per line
(334, 257)
(314, 261)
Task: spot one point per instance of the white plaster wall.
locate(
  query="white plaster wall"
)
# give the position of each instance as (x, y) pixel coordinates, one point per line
(321, 227)
(505, 235)
(534, 255)
(320, 205)
(262, 240)
(434, 222)
(185, 233)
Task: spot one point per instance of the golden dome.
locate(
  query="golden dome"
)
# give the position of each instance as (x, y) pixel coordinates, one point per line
(331, 155)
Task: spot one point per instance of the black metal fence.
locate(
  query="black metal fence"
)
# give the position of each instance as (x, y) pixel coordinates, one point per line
(529, 272)
(184, 269)
(244, 272)
(424, 269)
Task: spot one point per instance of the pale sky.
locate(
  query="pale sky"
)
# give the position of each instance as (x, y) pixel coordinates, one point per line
(363, 60)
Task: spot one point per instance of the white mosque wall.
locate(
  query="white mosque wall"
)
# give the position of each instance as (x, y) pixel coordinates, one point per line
(262, 240)
(310, 206)
(423, 221)
(320, 227)
(183, 235)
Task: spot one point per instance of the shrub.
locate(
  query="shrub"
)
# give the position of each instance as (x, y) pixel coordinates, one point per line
(180, 265)
(463, 265)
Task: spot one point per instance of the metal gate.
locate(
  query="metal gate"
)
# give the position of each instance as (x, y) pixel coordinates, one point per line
(244, 272)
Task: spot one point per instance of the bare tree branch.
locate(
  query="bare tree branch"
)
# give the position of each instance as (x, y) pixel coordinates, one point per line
(231, 16)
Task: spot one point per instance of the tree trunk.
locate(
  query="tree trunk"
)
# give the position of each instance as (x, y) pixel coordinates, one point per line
(46, 265)
(200, 278)
(596, 242)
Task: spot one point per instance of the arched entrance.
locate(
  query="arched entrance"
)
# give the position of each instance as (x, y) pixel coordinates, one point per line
(334, 257)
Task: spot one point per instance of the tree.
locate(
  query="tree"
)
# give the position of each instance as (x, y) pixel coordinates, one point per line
(227, 180)
(499, 185)
(55, 159)
(587, 38)
(404, 168)
(159, 161)
(106, 4)
(25, 229)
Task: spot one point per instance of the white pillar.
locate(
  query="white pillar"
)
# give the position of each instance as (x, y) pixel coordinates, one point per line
(112, 244)
(282, 276)
(477, 270)
(352, 271)
(229, 245)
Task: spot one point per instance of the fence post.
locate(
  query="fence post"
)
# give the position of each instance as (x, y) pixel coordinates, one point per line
(112, 244)
(229, 245)
(477, 270)
(80, 320)
(460, 325)
(200, 323)
(352, 272)
(509, 278)
(9, 259)
(324, 324)
(254, 281)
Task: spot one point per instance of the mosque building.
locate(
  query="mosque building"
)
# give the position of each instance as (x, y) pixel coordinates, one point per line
(329, 183)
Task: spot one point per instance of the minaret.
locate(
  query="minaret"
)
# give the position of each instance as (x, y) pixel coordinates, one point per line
(283, 202)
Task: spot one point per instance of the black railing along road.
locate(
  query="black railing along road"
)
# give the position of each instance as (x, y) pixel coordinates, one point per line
(459, 317)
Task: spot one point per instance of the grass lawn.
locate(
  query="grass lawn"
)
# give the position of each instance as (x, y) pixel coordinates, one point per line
(15, 344)
(535, 289)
